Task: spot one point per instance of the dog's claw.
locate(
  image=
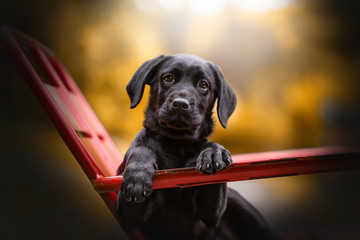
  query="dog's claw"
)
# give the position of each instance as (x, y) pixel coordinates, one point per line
(227, 161)
(146, 194)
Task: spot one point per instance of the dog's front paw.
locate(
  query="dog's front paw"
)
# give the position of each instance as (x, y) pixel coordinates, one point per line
(136, 186)
(213, 158)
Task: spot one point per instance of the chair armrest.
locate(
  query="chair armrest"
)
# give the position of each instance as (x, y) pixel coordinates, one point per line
(252, 166)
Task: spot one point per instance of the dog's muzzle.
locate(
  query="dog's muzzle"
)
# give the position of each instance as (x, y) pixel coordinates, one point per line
(179, 113)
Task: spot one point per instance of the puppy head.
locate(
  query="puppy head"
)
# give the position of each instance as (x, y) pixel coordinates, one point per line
(183, 92)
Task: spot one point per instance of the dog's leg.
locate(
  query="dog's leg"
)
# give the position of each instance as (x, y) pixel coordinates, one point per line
(133, 207)
(138, 175)
(210, 203)
(213, 158)
(210, 200)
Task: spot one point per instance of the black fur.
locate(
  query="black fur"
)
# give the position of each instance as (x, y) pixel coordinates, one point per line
(178, 119)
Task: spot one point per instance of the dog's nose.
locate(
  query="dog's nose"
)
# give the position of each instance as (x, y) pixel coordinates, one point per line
(180, 103)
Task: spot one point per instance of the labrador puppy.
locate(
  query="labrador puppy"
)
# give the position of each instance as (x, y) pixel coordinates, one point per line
(178, 121)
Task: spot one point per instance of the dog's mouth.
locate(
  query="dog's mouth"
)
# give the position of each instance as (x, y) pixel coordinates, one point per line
(178, 121)
(181, 126)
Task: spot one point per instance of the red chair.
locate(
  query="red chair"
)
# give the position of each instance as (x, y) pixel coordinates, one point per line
(98, 156)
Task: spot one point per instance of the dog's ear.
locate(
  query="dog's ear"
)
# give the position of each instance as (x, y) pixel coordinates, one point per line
(226, 97)
(144, 75)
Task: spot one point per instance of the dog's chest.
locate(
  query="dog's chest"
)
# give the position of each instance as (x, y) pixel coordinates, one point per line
(175, 206)
(177, 155)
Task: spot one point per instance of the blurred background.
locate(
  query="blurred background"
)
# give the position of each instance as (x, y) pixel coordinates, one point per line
(294, 65)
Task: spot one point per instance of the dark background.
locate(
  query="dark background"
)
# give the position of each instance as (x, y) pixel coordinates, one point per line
(45, 195)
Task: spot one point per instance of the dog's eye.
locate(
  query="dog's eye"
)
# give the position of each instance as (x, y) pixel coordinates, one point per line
(203, 84)
(167, 77)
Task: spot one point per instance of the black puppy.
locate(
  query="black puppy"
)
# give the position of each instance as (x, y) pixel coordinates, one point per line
(178, 120)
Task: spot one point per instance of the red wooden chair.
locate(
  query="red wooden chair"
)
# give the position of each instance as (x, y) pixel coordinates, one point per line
(98, 156)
